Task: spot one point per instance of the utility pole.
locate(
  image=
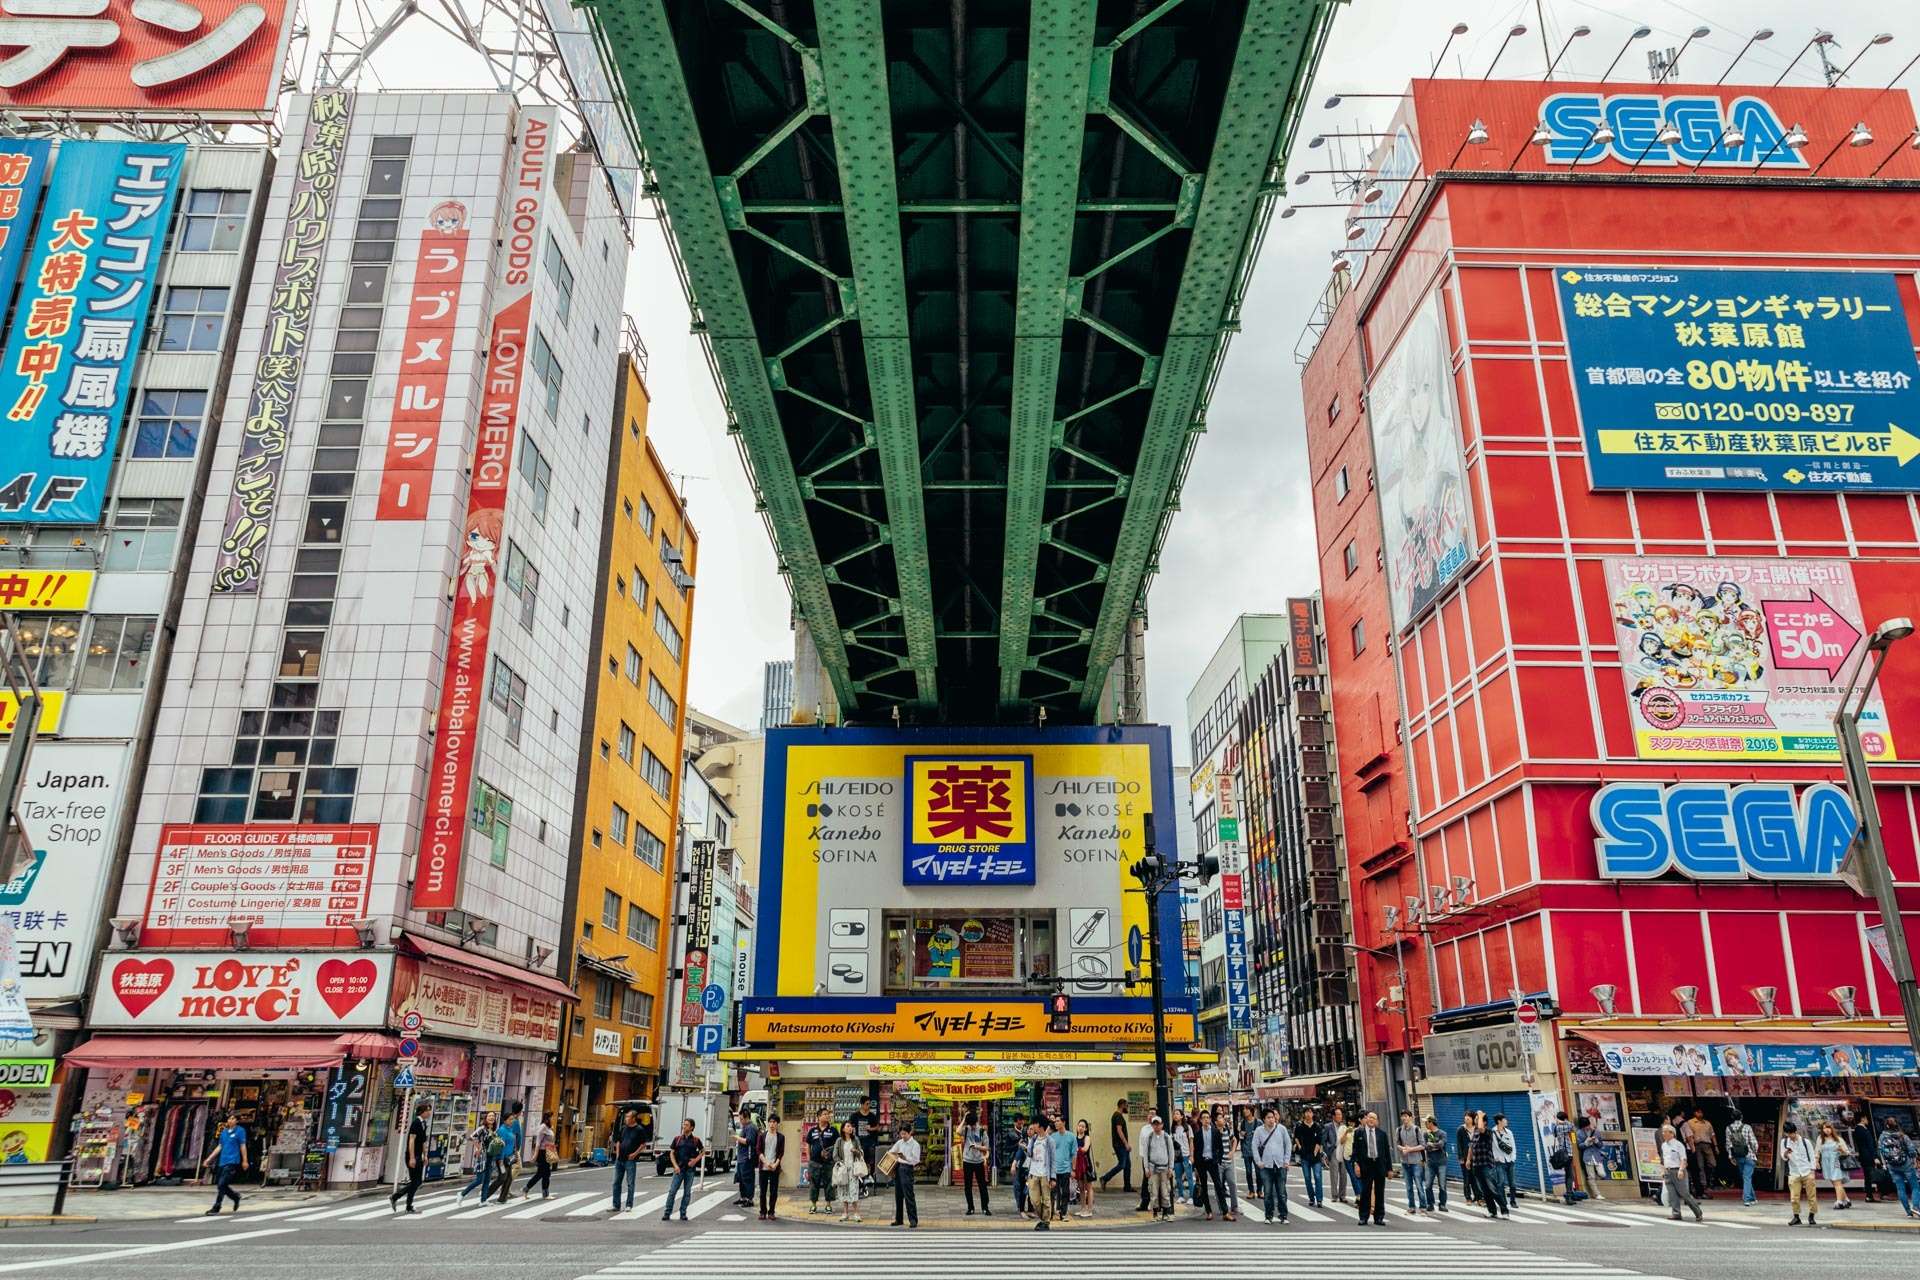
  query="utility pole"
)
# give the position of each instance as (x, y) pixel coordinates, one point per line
(1156, 875)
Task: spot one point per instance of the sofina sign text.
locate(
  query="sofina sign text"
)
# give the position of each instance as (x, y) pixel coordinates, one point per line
(1704, 122)
(1713, 831)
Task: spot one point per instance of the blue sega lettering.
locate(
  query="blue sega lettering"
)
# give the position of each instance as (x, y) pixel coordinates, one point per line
(1635, 118)
(1712, 831)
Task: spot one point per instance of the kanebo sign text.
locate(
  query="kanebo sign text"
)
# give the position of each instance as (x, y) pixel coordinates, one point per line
(1705, 123)
(1714, 831)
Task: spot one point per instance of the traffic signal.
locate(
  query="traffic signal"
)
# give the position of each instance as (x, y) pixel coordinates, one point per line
(1059, 1013)
(1209, 868)
(1147, 869)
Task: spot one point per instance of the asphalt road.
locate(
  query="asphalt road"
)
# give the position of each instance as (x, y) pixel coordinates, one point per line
(574, 1237)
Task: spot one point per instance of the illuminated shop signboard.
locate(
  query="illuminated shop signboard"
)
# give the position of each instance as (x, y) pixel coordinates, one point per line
(1717, 831)
(971, 820)
(1708, 130)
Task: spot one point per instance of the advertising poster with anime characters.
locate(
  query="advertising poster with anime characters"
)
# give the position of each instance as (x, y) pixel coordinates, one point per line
(1739, 659)
(1422, 476)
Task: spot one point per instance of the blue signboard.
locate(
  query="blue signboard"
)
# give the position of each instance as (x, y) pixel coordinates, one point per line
(1701, 378)
(712, 996)
(23, 167)
(1717, 831)
(84, 299)
(1239, 975)
(706, 1038)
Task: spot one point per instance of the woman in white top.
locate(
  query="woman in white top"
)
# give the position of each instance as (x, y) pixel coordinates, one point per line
(849, 1172)
(1834, 1154)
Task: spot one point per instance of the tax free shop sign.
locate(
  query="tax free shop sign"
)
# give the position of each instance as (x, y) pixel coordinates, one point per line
(1717, 831)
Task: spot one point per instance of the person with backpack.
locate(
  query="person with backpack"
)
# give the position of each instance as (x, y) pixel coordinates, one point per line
(1463, 1152)
(1244, 1123)
(1563, 1158)
(1896, 1153)
(1742, 1152)
(1481, 1171)
(974, 1147)
(484, 1146)
(819, 1142)
(1504, 1151)
(1433, 1146)
(1273, 1151)
(685, 1153)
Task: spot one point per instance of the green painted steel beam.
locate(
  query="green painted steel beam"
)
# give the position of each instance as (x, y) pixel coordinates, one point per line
(640, 41)
(1277, 43)
(1059, 69)
(853, 57)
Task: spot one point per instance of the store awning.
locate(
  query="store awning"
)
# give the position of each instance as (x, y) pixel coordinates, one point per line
(372, 1045)
(485, 966)
(263, 1052)
(1298, 1086)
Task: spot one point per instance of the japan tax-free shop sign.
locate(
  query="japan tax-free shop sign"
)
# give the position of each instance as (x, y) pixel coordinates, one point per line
(1722, 378)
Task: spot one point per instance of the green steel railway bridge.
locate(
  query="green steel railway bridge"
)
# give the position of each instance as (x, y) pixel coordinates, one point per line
(966, 270)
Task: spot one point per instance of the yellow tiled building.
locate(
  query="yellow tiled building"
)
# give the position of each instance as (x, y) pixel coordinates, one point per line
(620, 912)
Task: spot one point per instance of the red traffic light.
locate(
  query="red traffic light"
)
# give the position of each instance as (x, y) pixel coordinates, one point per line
(1059, 1013)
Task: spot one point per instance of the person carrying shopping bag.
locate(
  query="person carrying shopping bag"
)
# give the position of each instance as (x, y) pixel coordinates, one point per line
(850, 1172)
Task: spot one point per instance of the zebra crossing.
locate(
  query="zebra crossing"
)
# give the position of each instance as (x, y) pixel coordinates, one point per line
(978, 1255)
(1534, 1212)
(711, 1201)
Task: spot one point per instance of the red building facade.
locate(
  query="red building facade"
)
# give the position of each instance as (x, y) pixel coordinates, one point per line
(1481, 706)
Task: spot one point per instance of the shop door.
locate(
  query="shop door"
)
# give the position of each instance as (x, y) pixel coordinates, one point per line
(1451, 1108)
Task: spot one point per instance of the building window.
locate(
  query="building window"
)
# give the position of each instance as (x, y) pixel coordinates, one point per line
(610, 910)
(538, 475)
(602, 996)
(214, 221)
(1352, 557)
(658, 776)
(626, 742)
(492, 819)
(300, 655)
(1341, 485)
(510, 695)
(548, 370)
(649, 848)
(49, 642)
(643, 927)
(562, 277)
(118, 652)
(523, 580)
(143, 535)
(639, 588)
(636, 1008)
(626, 507)
(633, 664)
(664, 628)
(1333, 410)
(192, 320)
(617, 826)
(1359, 635)
(662, 701)
(1013, 948)
(646, 517)
(169, 424)
(288, 751)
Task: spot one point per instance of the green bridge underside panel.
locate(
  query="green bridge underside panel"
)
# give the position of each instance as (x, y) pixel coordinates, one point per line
(966, 271)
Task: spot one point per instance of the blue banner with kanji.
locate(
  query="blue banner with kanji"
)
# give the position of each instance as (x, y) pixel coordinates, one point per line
(1711, 378)
(23, 168)
(71, 354)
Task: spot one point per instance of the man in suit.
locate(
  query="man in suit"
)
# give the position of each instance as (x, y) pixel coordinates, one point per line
(1372, 1159)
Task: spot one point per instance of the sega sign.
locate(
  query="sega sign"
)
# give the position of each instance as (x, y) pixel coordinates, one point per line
(1705, 124)
(1716, 831)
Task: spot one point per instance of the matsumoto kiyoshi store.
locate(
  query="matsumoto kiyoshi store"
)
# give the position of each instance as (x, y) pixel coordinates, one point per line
(921, 896)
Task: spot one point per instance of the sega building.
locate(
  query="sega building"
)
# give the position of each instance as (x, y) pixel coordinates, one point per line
(1611, 427)
(922, 896)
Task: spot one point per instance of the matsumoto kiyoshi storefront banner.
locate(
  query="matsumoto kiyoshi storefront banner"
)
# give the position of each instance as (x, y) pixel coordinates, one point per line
(1717, 378)
(79, 324)
(1700, 1058)
(1739, 659)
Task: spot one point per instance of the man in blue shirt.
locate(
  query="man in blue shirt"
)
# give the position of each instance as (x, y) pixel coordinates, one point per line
(1063, 1145)
(512, 1134)
(230, 1150)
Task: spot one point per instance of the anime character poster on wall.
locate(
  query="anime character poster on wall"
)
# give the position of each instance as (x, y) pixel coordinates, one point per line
(1428, 533)
(1739, 659)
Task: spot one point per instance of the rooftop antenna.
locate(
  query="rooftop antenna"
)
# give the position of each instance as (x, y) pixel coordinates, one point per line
(1673, 56)
(1882, 38)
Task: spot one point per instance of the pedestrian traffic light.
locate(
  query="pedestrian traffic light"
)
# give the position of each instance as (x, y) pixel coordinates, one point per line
(1059, 1013)
(1147, 869)
(1209, 868)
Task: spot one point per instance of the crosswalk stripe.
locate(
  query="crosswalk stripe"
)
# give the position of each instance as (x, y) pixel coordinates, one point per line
(445, 1206)
(586, 1210)
(544, 1207)
(421, 1204)
(491, 1207)
(708, 1201)
(200, 1219)
(649, 1205)
(338, 1211)
(1309, 1215)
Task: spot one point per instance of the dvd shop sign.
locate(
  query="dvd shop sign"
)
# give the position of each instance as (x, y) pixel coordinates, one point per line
(220, 991)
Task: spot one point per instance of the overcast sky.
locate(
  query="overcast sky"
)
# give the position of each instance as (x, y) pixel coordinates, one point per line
(1243, 539)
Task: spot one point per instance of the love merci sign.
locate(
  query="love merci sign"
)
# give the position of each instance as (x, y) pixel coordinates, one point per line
(227, 991)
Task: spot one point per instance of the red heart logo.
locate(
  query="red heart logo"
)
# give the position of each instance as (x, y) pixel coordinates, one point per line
(138, 983)
(345, 983)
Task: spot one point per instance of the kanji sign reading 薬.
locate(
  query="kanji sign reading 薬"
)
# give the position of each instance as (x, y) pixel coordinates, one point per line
(78, 326)
(969, 820)
(1708, 378)
(283, 345)
(218, 57)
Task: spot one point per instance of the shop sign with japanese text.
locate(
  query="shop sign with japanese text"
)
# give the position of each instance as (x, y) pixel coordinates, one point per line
(285, 329)
(1721, 378)
(78, 326)
(455, 1003)
(426, 358)
(46, 590)
(23, 169)
(209, 57)
(69, 807)
(241, 990)
(959, 1023)
(969, 820)
(299, 885)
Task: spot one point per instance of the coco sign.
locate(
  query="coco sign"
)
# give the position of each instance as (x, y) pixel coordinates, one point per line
(220, 991)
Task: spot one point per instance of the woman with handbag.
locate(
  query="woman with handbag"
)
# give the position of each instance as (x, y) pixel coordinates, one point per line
(1083, 1168)
(1834, 1153)
(484, 1148)
(546, 1154)
(850, 1172)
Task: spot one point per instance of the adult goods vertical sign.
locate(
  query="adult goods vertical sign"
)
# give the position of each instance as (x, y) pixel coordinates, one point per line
(283, 344)
(77, 329)
(436, 877)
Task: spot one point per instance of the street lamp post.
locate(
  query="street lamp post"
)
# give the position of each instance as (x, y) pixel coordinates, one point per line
(1156, 875)
(1869, 851)
(1406, 1010)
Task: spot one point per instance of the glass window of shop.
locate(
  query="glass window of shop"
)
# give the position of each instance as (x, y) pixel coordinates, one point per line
(953, 950)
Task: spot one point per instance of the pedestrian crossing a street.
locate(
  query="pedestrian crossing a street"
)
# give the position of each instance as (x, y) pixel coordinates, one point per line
(771, 1255)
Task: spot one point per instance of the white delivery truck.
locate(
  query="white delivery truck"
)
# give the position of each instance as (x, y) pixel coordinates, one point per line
(712, 1116)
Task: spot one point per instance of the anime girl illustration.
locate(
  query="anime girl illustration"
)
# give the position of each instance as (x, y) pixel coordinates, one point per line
(1422, 479)
(477, 562)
